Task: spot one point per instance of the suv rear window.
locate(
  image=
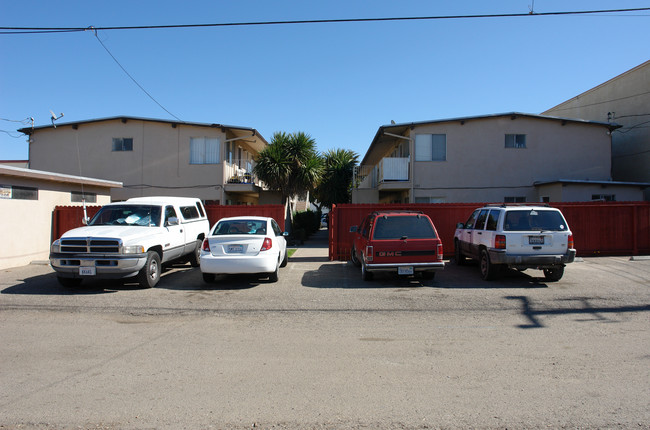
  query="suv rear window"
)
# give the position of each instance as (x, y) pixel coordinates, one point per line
(397, 227)
(543, 220)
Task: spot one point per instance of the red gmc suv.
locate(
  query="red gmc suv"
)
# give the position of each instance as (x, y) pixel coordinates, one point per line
(401, 242)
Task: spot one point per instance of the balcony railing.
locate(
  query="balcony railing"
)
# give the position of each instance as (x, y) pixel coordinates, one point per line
(387, 170)
(240, 172)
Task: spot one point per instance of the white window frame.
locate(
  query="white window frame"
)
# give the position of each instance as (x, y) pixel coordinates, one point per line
(431, 147)
(205, 150)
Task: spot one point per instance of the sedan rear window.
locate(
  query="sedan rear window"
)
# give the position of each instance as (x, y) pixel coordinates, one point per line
(240, 227)
(398, 227)
(526, 220)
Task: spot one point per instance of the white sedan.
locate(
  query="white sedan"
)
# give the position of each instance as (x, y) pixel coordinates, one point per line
(244, 244)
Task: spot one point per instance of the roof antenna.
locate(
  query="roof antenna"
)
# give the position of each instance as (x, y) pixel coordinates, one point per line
(53, 117)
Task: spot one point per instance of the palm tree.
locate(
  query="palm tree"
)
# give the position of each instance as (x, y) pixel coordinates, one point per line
(290, 164)
(336, 181)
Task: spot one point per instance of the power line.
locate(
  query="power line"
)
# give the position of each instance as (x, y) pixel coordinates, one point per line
(32, 30)
(133, 79)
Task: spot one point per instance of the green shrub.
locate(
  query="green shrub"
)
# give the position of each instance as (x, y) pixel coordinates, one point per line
(309, 221)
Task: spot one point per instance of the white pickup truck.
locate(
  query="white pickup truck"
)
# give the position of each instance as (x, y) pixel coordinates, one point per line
(132, 239)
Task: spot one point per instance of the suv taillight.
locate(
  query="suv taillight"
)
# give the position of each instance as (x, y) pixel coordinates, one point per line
(267, 244)
(500, 241)
(439, 252)
(369, 251)
(571, 243)
(206, 245)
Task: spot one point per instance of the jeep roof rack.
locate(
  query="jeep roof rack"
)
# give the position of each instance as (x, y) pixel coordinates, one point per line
(505, 205)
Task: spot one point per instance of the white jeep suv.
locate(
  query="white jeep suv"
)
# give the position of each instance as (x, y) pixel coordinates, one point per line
(519, 237)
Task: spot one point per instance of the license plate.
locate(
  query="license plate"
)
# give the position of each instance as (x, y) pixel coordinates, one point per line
(87, 271)
(235, 249)
(536, 240)
(405, 270)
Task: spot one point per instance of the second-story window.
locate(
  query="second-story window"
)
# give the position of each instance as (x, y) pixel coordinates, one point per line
(430, 147)
(204, 150)
(122, 144)
(515, 140)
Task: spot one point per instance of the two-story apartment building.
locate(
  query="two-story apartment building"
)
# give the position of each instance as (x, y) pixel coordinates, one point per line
(510, 157)
(624, 100)
(213, 162)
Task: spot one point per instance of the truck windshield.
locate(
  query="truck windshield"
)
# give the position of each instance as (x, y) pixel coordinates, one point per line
(138, 215)
(397, 227)
(542, 220)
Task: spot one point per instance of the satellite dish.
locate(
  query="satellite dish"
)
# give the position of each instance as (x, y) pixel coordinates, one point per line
(53, 117)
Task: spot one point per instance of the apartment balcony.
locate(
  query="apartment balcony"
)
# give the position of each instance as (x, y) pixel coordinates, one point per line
(389, 174)
(239, 177)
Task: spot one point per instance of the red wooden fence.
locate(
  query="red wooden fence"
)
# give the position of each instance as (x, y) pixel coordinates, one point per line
(65, 218)
(599, 228)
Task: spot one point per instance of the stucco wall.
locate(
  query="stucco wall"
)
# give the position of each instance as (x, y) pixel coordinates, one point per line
(480, 169)
(28, 223)
(160, 157)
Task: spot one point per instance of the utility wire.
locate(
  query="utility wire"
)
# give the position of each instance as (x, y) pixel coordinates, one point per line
(131, 77)
(27, 30)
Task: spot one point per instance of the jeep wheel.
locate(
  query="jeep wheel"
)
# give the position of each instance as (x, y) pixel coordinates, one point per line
(150, 274)
(195, 256)
(554, 274)
(353, 257)
(458, 255)
(489, 271)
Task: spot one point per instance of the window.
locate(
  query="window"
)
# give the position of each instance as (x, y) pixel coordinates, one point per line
(604, 197)
(515, 140)
(189, 212)
(480, 221)
(77, 197)
(122, 144)
(204, 150)
(169, 213)
(18, 193)
(429, 200)
(492, 220)
(430, 147)
(516, 199)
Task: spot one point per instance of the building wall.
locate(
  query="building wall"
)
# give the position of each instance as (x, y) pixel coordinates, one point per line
(625, 100)
(27, 236)
(585, 192)
(158, 165)
(479, 168)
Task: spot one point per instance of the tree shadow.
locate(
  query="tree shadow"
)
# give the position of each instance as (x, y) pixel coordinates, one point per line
(595, 313)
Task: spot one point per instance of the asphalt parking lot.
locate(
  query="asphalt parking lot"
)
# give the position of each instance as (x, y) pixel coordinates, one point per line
(323, 349)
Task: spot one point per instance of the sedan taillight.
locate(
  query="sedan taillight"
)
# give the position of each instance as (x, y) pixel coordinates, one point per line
(206, 245)
(268, 243)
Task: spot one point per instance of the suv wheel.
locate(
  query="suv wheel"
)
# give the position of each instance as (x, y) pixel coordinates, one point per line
(554, 274)
(353, 257)
(489, 271)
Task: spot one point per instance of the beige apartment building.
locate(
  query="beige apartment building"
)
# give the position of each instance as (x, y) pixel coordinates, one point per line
(510, 157)
(213, 162)
(624, 100)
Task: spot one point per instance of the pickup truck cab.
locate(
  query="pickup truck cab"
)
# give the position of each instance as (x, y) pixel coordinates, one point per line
(132, 239)
(519, 237)
(400, 242)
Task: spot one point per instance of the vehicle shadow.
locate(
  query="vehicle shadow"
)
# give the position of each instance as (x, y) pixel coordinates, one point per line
(345, 275)
(185, 278)
(47, 285)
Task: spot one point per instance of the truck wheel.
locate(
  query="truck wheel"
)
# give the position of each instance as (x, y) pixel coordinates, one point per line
(150, 274)
(458, 255)
(195, 256)
(489, 271)
(554, 274)
(69, 282)
(353, 257)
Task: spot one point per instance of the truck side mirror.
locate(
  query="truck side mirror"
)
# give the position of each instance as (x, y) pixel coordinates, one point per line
(172, 221)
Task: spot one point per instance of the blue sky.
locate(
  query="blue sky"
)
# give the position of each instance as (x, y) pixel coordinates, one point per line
(338, 82)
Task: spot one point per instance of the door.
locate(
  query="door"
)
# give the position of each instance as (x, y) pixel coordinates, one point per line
(175, 239)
